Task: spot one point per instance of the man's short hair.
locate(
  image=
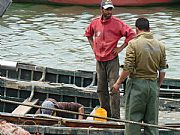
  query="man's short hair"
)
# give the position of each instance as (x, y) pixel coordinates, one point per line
(142, 24)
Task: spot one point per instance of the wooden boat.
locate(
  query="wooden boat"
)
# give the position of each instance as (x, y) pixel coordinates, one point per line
(21, 81)
(50, 120)
(30, 72)
(21, 90)
(27, 83)
(57, 125)
(97, 2)
(80, 78)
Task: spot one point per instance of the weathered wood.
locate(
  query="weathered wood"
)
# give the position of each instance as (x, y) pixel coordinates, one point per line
(30, 72)
(53, 130)
(27, 120)
(47, 120)
(92, 124)
(21, 109)
(71, 93)
(83, 131)
(51, 120)
(46, 87)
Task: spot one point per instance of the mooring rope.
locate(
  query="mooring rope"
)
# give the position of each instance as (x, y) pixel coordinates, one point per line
(88, 115)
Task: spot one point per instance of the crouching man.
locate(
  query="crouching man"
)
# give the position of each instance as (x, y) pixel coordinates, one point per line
(69, 106)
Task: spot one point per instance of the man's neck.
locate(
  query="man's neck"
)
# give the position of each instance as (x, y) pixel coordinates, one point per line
(105, 18)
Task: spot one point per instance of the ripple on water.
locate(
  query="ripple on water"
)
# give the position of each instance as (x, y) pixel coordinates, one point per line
(53, 36)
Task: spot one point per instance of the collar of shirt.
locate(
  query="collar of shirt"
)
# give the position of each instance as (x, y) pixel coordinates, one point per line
(145, 34)
(106, 20)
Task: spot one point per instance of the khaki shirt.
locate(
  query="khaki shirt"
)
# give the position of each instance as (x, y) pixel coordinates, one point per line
(145, 56)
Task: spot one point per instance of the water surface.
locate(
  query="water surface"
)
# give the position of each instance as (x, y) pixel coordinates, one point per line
(53, 36)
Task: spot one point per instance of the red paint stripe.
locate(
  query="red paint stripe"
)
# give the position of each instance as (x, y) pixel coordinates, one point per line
(115, 2)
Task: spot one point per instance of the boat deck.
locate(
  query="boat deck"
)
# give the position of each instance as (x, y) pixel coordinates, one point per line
(169, 118)
(31, 81)
(49, 125)
(50, 130)
(165, 117)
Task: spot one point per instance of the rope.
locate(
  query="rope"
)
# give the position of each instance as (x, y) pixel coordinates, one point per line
(88, 115)
(37, 132)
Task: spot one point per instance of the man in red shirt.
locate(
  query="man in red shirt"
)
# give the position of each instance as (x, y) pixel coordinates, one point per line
(103, 34)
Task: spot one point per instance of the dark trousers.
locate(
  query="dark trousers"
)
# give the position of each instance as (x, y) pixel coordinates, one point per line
(107, 74)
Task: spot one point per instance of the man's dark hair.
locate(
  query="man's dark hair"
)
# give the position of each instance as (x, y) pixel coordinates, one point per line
(142, 24)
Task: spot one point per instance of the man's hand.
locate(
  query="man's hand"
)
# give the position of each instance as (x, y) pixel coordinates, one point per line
(122, 77)
(116, 86)
(117, 50)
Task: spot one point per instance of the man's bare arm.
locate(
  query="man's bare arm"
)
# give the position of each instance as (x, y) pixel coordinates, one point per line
(90, 39)
(161, 77)
(124, 74)
(81, 110)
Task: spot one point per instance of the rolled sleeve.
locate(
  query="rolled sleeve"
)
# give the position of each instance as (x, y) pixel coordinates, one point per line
(163, 64)
(89, 32)
(127, 32)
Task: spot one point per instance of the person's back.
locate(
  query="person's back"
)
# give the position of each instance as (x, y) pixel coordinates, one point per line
(65, 106)
(69, 106)
(149, 52)
(145, 64)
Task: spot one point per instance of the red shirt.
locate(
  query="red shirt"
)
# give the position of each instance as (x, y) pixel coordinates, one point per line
(106, 36)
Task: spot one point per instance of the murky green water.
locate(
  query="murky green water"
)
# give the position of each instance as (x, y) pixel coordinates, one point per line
(53, 36)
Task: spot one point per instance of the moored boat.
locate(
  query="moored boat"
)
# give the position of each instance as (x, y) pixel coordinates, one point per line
(97, 2)
(81, 78)
(47, 125)
(20, 81)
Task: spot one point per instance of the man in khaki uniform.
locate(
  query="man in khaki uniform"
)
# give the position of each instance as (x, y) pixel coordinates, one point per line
(145, 64)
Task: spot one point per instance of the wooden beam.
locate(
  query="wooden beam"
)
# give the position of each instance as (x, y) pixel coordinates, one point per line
(21, 109)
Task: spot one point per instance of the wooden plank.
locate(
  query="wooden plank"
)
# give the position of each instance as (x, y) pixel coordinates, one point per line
(27, 120)
(51, 120)
(93, 124)
(21, 109)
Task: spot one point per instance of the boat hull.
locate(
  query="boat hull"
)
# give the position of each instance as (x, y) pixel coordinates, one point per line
(45, 125)
(19, 81)
(15, 90)
(80, 78)
(97, 2)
